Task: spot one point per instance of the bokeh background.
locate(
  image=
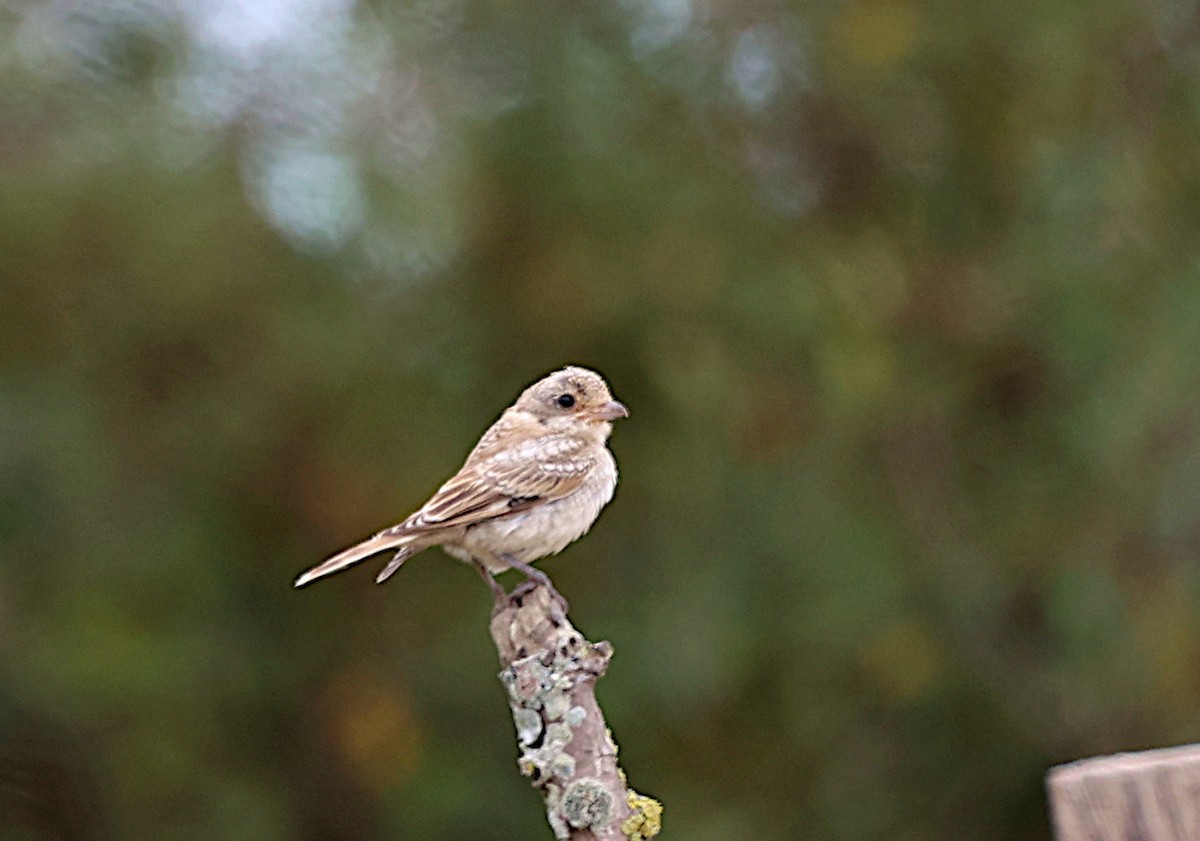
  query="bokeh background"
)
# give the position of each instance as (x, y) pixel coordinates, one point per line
(903, 296)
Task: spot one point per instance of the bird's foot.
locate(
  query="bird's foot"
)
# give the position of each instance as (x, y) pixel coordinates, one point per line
(499, 595)
(534, 578)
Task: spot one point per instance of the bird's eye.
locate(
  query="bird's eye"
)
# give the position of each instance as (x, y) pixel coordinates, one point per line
(565, 400)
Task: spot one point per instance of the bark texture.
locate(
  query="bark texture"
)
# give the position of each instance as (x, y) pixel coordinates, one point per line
(567, 751)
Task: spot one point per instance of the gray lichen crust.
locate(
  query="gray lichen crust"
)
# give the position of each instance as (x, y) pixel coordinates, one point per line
(587, 804)
(567, 752)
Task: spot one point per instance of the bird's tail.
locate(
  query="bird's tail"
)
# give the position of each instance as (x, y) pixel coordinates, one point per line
(370, 546)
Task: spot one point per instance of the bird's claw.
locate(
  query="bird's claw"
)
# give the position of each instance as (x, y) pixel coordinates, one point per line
(534, 578)
(530, 584)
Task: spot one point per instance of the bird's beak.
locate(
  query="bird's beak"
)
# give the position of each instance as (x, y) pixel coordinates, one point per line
(610, 411)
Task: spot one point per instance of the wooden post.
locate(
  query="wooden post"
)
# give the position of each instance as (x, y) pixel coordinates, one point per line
(1148, 796)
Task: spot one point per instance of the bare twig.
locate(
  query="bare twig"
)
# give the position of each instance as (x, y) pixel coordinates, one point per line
(567, 751)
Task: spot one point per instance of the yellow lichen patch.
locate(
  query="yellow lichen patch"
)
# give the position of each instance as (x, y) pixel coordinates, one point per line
(646, 820)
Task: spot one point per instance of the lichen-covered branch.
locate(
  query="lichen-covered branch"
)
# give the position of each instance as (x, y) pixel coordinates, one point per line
(567, 751)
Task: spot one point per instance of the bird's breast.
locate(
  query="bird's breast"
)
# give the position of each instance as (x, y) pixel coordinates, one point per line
(544, 529)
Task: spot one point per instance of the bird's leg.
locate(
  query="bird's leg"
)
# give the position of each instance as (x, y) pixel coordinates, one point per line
(498, 592)
(535, 578)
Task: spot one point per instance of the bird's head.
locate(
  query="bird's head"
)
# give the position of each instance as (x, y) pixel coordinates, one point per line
(563, 400)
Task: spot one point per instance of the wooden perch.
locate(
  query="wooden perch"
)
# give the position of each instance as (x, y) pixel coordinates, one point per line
(567, 751)
(1148, 796)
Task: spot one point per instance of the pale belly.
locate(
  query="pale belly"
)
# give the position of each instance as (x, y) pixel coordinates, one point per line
(543, 530)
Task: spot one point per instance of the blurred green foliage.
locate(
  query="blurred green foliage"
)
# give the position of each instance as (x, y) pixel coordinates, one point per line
(902, 295)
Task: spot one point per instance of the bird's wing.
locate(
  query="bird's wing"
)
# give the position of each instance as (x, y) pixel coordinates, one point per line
(503, 481)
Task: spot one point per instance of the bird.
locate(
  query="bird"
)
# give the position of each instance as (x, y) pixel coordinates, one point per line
(534, 483)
